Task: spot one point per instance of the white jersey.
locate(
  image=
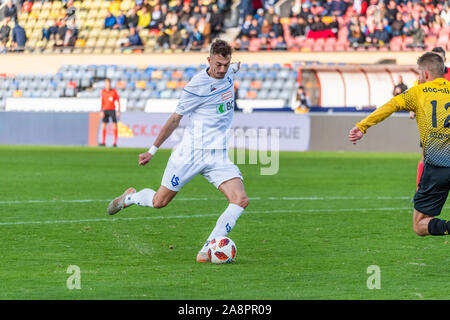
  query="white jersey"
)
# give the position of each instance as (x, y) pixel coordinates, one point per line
(209, 103)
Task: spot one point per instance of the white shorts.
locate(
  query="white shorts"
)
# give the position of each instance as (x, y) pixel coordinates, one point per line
(185, 163)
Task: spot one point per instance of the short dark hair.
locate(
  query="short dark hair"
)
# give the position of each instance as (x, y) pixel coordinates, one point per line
(439, 50)
(220, 47)
(433, 63)
(107, 79)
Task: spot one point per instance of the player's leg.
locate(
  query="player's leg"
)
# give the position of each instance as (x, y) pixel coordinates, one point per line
(150, 198)
(234, 191)
(178, 172)
(105, 120)
(425, 225)
(115, 130)
(226, 176)
(429, 201)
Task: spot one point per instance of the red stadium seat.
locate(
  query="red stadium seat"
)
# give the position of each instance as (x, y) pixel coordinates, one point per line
(256, 84)
(251, 94)
(395, 46)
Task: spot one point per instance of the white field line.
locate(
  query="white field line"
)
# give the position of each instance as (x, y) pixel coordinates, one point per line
(197, 216)
(211, 199)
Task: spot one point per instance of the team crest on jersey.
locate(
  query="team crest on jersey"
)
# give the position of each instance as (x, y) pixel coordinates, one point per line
(229, 80)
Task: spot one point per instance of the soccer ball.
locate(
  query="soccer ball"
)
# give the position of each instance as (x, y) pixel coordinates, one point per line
(222, 250)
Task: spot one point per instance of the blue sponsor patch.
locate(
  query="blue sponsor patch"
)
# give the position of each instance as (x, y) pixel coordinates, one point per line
(175, 181)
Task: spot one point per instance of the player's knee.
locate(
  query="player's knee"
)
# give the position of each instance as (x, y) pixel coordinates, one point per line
(419, 230)
(242, 201)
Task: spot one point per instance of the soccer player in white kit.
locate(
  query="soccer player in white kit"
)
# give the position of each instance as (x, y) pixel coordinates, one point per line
(208, 100)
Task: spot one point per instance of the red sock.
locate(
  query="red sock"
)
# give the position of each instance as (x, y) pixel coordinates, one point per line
(419, 173)
(103, 135)
(115, 136)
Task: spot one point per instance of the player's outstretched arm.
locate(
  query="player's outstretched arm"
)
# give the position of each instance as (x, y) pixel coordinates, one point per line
(355, 134)
(168, 128)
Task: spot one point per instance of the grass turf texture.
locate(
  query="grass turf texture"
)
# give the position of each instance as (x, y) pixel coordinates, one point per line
(354, 211)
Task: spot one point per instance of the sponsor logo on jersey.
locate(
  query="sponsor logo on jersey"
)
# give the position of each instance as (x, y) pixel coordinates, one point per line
(436, 90)
(212, 88)
(175, 181)
(220, 108)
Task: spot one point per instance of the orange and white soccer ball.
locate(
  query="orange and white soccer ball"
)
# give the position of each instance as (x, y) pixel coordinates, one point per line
(222, 250)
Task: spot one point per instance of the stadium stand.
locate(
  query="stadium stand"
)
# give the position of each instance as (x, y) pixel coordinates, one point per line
(101, 26)
(340, 25)
(138, 85)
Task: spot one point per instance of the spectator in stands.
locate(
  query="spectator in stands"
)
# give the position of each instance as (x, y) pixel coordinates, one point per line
(301, 102)
(62, 29)
(133, 39)
(184, 15)
(156, 17)
(185, 38)
(332, 24)
(277, 28)
(371, 36)
(205, 29)
(19, 38)
(121, 21)
(391, 11)
(382, 35)
(270, 14)
(259, 16)
(265, 29)
(355, 36)
(204, 13)
(69, 39)
(5, 31)
(132, 19)
(196, 12)
(72, 26)
(171, 19)
(418, 35)
(280, 44)
(163, 40)
(317, 25)
(397, 26)
(217, 22)
(70, 10)
(296, 8)
(245, 29)
(176, 39)
(51, 31)
(197, 40)
(10, 11)
(299, 29)
(110, 21)
(445, 15)
(144, 18)
(400, 87)
(254, 29)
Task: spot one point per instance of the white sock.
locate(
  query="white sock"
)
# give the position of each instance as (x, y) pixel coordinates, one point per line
(225, 223)
(143, 198)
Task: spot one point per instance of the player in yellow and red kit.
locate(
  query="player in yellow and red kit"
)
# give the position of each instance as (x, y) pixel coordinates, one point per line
(110, 100)
(441, 52)
(430, 101)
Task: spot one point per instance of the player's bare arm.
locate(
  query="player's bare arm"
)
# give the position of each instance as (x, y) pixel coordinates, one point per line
(169, 127)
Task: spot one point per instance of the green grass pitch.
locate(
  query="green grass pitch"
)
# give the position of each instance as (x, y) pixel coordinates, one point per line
(310, 232)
